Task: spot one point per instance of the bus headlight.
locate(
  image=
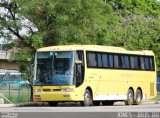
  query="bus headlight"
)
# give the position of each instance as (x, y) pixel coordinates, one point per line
(67, 90)
(37, 90)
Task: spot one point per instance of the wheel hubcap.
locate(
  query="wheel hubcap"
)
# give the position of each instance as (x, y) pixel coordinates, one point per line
(138, 97)
(87, 98)
(130, 97)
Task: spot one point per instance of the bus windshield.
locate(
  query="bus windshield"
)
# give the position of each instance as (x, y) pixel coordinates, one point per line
(54, 68)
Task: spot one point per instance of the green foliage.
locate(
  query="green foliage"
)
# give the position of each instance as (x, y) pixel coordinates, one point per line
(136, 32)
(70, 21)
(158, 96)
(133, 24)
(131, 7)
(22, 57)
(138, 27)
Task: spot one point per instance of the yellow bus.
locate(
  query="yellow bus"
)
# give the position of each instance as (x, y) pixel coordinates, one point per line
(93, 75)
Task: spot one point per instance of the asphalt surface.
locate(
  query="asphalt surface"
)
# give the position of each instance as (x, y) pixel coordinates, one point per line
(148, 109)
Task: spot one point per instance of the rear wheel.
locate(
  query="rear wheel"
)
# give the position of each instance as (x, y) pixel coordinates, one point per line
(87, 99)
(53, 103)
(138, 99)
(108, 103)
(130, 97)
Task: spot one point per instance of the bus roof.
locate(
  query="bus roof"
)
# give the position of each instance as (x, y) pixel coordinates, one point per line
(94, 48)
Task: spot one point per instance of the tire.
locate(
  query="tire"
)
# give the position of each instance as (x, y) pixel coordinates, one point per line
(108, 103)
(130, 97)
(87, 99)
(53, 103)
(138, 99)
(96, 103)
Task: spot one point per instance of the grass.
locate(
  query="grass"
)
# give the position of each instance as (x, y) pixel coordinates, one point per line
(21, 95)
(158, 96)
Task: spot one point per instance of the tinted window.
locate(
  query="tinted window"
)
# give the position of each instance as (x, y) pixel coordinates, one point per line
(116, 61)
(99, 57)
(105, 60)
(132, 62)
(110, 60)
(151, 61)
(136, 64)
(146, 59)
(91, 60)
(125, 61)
(142, 63)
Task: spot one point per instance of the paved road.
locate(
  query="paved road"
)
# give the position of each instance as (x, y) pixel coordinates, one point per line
(118, 107)
(119, 110)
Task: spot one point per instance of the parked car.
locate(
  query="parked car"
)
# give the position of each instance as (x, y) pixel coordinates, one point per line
(13, 80)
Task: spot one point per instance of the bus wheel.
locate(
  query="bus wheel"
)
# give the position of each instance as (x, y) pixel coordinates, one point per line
(53, 103)
(96, 103)
(109, 103)
(138, 99)
(130, 97)
(87, 99)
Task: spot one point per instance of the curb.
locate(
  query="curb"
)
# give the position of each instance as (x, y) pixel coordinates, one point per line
(7, 105)
(24, 104)
(32, 104)
(150, 102)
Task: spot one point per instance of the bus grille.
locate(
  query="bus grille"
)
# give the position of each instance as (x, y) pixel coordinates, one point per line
(51, 90)
(46, 90)
(151, 89)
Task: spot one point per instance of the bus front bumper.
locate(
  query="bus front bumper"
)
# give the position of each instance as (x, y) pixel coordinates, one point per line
(56, 96)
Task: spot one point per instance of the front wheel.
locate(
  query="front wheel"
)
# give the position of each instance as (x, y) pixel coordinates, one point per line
(87, 99)
(130, 97)
(53, 103)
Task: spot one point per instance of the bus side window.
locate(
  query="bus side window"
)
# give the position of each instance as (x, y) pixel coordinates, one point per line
(105, 60)
(110, 60)
(124, 61)
(132, 62)
(151, 62)
(99, 60)
(142, 63)
(116, 61)
(91, 59)
(79, 68)
(136, 64)
(146, 63)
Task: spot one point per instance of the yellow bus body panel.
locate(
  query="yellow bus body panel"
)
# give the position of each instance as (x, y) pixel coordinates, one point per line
(105, 84)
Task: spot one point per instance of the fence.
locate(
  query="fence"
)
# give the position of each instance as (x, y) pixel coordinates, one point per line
(15, 94)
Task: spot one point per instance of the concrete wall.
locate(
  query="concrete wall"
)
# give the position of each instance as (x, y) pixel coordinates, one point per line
(5, 64)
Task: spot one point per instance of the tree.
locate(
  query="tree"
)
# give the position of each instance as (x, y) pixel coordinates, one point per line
(133, 24)
(68, 21)
(57, 22)
(130, 7)
(138, 27)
